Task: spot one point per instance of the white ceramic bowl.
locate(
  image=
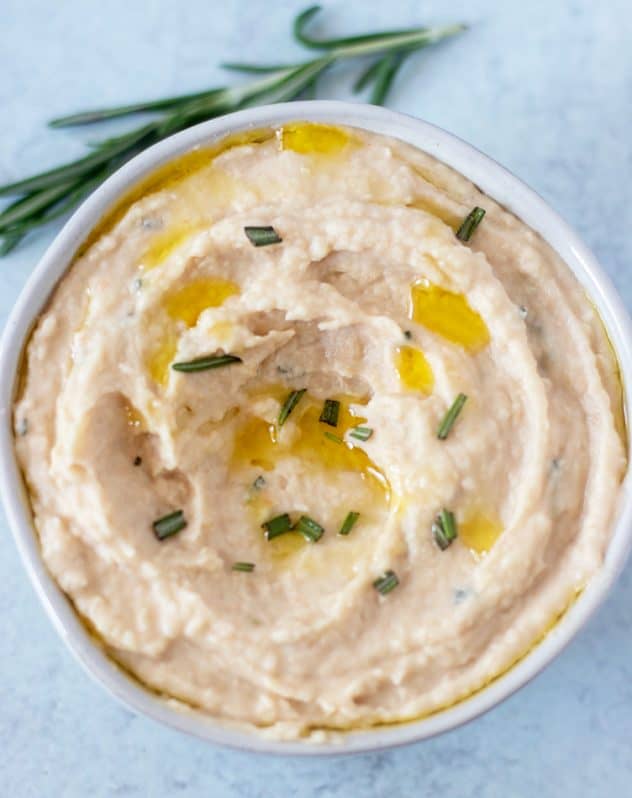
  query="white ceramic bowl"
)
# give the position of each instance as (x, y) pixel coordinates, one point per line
(493, 180)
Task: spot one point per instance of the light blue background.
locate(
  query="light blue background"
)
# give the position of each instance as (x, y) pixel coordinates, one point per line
(545, 88)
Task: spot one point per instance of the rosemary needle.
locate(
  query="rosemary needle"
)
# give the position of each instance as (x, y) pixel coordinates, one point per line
(205, 363)
(361, 433)
(385, 583)
(330, 412)
(290, 403)
(245, 567)
(444, 529)
(470, 223)
(451, 416)
(348, 523)
(169, 525)
(311, 530)
(262, 236)
(276, 526)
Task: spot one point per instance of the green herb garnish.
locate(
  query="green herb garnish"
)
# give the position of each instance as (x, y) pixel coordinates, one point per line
(54, 193)
(276, 526)
(361, 433)
(206, 362)
(444, 529)
(451, 416)
(331, 410)
(470, 223)
(290, 403)
(331, 437)
(348, 523)
(311, 530)
(262, 236)
(169, 525)
(245, 567)
(385, 583)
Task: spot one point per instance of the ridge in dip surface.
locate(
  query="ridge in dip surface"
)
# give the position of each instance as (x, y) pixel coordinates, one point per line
(230, 440)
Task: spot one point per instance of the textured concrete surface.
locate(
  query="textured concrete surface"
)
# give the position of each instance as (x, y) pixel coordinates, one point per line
(543, 87)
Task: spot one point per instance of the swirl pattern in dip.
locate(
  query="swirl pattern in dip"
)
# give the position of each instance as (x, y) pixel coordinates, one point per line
(369, 300)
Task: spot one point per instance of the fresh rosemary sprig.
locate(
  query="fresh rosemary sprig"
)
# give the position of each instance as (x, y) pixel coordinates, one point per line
(48, 195)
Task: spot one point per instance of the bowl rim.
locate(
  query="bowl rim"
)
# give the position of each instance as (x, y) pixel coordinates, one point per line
(491, 178)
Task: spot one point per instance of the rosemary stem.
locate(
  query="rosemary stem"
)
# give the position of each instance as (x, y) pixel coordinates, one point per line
(52, 193)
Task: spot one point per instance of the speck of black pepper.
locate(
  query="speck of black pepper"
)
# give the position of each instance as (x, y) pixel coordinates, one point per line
(137, 284)
(408, 335)
(138, 460)
(258, 483)
(23, 426)
(522, 310)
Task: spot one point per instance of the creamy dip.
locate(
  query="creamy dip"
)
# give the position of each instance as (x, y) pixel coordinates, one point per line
(193, 515)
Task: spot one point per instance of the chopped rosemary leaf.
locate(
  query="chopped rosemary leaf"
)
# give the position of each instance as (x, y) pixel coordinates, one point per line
(169, 525)
(245, 567)
(385, 583)
(349, 523)
(290, 403)
(330, 436)
(138, 460)
(451, 416)
(361, 433)
(470, 223)
(331, 410)
(444, 529)
(276, 526)
(311, 530)
(206, 362)
(262, 236)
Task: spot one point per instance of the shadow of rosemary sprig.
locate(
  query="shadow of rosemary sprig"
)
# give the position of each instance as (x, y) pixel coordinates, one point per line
(54, 193)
